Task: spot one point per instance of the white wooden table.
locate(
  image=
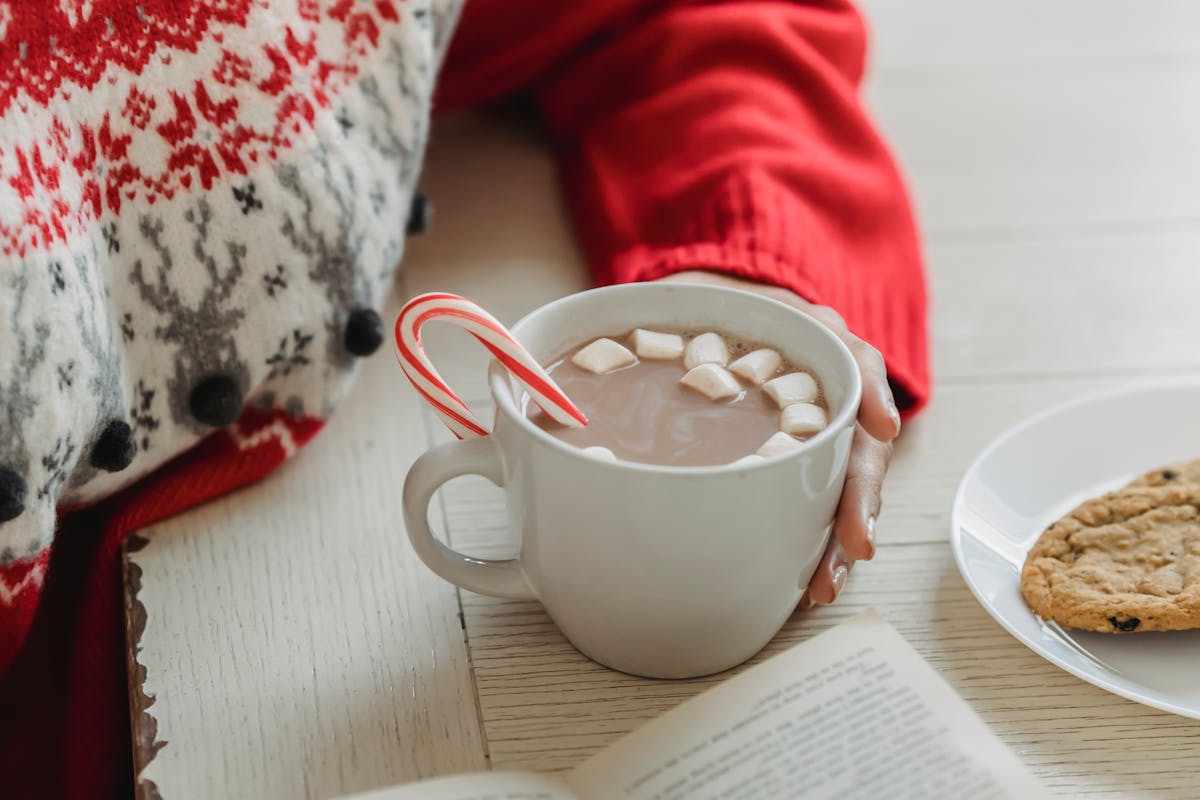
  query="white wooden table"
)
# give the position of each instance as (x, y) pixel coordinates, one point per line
(295, 646)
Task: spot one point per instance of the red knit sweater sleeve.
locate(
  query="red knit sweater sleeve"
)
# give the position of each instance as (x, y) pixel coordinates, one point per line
(724, 135)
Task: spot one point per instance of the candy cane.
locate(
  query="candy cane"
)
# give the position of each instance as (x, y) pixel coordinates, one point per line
(491, 334)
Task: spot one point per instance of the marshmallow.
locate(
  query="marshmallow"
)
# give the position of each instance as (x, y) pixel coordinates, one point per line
(778, 444)
(602, 453)
(802, 419)
(657, 346)
(713, 381)
(746, 461)
(757, 366)
(603, 355)
(795, 387)
(707, 348)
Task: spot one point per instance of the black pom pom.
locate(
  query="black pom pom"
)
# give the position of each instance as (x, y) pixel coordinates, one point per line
(419, 215)
(114, 450)
(12, 494)
(364, 332)
(216, 401)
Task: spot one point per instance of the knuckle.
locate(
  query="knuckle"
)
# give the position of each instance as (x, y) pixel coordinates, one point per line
(869, 464)
(868, 352)
(862, 439)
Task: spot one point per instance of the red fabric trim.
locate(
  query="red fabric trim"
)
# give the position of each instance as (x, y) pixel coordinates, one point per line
(81, 716)
(20, 587)
(726, 136)
(719, 135)
(97, 689)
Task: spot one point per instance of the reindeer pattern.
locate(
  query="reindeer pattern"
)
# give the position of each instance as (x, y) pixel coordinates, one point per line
(252, 282)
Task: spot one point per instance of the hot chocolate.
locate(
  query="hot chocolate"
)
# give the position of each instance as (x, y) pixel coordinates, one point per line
(684, 399)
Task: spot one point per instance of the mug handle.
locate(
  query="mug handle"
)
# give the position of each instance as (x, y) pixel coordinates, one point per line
(498, 578)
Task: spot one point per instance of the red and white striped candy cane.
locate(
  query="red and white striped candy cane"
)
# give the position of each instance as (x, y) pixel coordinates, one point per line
(491, 334)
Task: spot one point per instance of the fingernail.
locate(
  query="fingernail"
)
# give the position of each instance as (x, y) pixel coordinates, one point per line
(871, 536)
(840, 574)
(894, 414)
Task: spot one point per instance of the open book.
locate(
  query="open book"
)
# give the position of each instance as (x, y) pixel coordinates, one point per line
(851, 713)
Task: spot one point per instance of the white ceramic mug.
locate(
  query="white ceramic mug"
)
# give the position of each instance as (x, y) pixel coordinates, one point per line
(667, 572)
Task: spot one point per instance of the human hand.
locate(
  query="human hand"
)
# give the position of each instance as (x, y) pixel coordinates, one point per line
(878, 425)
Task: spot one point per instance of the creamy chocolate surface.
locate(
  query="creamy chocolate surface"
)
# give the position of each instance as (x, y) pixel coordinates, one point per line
(642, 413)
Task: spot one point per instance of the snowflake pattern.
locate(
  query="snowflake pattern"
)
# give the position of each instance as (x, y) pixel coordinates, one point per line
(219, 213)
(142, 415)
(39, 68)
(208, 128)
(290, 354)
(111, 241)
(232, 69)
(66, 375)
(138, 108)
(275, 282)
(57, 282)
(244, 195)
(56, 464)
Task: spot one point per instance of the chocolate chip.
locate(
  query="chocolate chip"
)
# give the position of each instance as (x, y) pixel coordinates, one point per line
(419, 214)
(1126, 625)
(364, 332)
(12, 494)
(216, 401)
(115, 449)
(1169, 474)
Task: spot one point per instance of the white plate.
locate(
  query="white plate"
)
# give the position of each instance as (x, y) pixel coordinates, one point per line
(1039, 470)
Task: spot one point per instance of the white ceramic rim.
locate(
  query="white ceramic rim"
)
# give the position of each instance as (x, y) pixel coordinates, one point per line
(846, 416)
(1094, 678)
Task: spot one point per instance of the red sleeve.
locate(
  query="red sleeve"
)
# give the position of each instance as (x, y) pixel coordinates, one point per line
(722, 135)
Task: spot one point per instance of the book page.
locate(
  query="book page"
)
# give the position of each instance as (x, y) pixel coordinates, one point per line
(477, 786)
(851, 714)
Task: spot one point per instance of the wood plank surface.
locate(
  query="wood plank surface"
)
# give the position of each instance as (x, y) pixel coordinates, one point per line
(1069, 308)
(296, 646)
(546, 707)
(1062, 263)
(995, 150)
(942, 36)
